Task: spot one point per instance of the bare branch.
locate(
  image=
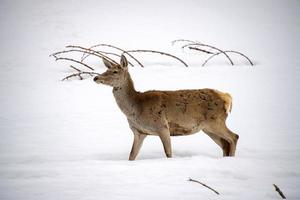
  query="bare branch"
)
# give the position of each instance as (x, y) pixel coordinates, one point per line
(192, 180)
(83, 50)
(90, 51)
(204, 51)
(62, 52)
(73, 60)
(205, 45)
(277, 189)
(123, 51)
(227, 51)
(85, 55)
(74, 50)
(193, 45)
(79, 75)
(159, 52)
(230, 51)
(183, 40)
(75, 68)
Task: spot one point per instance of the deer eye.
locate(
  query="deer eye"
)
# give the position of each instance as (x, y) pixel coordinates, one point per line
(115, 72)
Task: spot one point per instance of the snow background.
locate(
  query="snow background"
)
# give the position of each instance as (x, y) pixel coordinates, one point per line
(68, 140)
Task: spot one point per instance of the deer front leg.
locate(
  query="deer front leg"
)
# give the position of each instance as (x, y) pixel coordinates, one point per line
(166, 140)
(137, 143)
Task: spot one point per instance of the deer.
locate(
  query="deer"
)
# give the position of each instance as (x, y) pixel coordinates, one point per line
(169, 113)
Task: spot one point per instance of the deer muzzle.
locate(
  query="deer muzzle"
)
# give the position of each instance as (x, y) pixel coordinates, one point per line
(98, 79)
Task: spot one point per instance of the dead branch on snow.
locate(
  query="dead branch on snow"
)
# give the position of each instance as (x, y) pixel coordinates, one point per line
(159, 52)
(73, 60)
(191, 46)
(229, 51)
(86, 52)
(91, 52)
(115, 47)
(277, 189)
(84, 56)
(79, 75)
(192, 180)
(198, 46)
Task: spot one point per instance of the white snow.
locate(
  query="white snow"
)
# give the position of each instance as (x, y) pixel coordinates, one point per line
(69, 140)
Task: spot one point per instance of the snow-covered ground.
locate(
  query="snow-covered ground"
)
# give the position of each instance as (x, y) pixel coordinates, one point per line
(69, 141)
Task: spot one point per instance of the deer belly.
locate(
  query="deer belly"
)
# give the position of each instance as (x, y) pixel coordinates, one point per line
(177, 129)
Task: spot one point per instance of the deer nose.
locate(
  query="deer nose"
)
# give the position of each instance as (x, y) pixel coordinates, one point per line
(96, 78)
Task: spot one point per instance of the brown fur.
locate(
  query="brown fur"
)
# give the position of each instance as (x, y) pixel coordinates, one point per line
(170, 113)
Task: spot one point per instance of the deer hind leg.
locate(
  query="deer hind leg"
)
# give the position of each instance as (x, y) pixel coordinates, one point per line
(220, 142)
(233, 140)
(137, 143)
(165, 138)
(220, 129)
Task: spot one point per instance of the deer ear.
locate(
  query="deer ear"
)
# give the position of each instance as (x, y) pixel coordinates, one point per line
(123, 62)
(107, 63)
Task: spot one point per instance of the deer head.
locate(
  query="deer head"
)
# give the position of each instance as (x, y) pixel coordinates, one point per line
(116, 74)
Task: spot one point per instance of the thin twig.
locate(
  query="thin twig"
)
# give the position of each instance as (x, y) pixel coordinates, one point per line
(192, 180)
(230, 51)
(76, 61)
(90, 51)
(159, 52)
(277, 189)
(79, 75)
(123, 51)
(75, 68)
(80, 51)
(183, 40)
(202, 50)
(206, 45)
(191, 44)
(106, 45)
(227, 51)
(85, 55)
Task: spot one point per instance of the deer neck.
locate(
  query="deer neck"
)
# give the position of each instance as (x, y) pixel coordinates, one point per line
(125, 96)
